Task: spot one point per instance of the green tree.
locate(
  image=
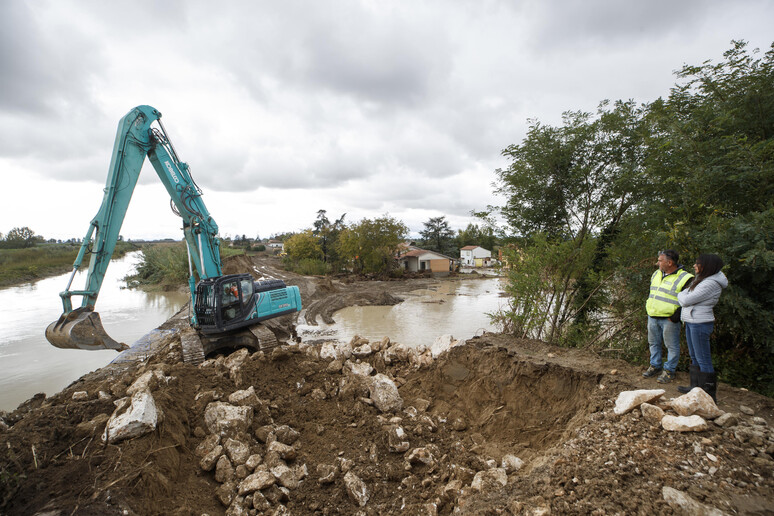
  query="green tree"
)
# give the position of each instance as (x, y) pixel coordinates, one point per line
(370, 246)
(438, 236)
(303, 246)
(19, 238)
(328, 233)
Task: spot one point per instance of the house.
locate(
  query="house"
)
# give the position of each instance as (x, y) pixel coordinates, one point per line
(276, 244)
(475, 256)
(421, 260)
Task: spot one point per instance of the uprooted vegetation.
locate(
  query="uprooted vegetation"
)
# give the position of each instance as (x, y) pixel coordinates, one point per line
(492, 426)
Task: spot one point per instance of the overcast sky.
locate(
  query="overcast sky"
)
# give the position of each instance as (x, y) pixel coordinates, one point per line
(285, 108)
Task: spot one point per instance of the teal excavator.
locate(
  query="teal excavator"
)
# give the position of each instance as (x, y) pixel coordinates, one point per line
(226, 309)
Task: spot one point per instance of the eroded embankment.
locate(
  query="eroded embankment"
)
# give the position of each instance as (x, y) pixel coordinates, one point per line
(454, 417)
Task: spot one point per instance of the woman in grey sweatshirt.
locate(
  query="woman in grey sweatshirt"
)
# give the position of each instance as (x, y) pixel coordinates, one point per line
(697, 302)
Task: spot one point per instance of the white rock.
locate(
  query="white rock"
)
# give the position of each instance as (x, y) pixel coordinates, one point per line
(236, 359)
(285, 476)
(207, 445)
(363, 351)
(727, 420)
(245, 397)
(397, 440)
(356, 489)
(208, 461)
(629, 400)
(680, 500)
(421, 456)
(223, 418)
(237, 451)
(385, 394)
(511, 463)
(80, 396)
(283, 451)
(696, 402)
(652, 412)
(489, 479)
(443, 344)
(683, 423)
(148, 381)
(257, 481)
(139, 418)
(358, 368)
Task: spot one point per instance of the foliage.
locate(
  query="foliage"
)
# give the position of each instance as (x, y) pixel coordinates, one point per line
(162, 264)
(43, 260)
(439, 237)
(20, 238)
(328, 233)
(310, 267)
(370, 246)
(474, 234)
(303, 246)
(693, 172)
(259, 248)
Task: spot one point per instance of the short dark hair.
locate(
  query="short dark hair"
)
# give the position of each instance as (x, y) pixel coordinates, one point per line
(671, 254)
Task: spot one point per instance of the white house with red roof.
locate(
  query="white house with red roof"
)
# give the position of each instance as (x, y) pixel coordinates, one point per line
(475, 256)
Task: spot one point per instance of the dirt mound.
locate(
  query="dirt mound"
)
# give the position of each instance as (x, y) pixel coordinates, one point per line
(238, 264)
(478, 416)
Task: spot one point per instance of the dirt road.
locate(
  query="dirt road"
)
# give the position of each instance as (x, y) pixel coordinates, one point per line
(496, 425)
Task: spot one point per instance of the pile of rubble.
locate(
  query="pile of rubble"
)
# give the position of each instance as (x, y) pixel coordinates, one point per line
(381, 428)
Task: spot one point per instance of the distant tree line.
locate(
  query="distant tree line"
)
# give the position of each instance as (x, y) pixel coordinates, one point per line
(592, 200)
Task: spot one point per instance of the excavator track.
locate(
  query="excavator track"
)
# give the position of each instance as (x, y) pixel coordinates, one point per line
(197, 347)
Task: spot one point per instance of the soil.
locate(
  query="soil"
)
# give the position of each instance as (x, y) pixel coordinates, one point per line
(489, 397)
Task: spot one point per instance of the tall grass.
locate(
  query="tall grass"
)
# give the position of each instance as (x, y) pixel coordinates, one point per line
(20, 265)
(167, 264)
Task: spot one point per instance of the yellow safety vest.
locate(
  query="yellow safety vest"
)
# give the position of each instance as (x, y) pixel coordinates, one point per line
(662, 301)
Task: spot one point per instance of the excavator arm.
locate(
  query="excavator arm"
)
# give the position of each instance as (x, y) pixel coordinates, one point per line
(135, 140)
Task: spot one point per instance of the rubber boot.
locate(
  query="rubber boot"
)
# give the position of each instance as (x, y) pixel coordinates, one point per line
(709, 382)
(693, 373)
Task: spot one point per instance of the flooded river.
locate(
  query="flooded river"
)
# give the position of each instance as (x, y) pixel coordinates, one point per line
(29, 364)
(458, 308)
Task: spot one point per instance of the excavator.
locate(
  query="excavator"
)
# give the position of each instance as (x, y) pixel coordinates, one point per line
(227, 310)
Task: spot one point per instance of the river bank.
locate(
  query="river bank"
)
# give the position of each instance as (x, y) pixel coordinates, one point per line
(495, 425)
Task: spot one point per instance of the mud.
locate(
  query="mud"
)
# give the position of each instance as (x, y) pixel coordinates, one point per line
(469, 408)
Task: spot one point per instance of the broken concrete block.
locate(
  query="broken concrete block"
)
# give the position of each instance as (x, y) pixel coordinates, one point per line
(256, 482)
(511, 463)
(683, 423)
(629, 400)
(385, 394)
(237, 451)
(698, 402)
(208, 461)
(245, 397)
(680, 500)
(397, 440)
(137, 417)
(489, 480)
(442, 344)
(652, 413)
(224, 418)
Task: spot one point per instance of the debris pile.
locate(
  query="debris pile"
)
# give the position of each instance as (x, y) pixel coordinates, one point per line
(378, 427)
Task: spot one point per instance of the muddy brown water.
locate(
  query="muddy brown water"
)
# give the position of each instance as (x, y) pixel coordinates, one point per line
(458, 308)
(29, 364)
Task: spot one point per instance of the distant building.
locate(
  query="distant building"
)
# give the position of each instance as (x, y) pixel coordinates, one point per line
(276, 244)
(475, 256)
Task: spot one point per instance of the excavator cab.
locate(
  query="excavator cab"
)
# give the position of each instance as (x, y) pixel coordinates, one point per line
(234, 301)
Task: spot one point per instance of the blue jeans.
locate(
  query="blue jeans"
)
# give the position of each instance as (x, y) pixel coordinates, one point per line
(666, 332)
(698, 337)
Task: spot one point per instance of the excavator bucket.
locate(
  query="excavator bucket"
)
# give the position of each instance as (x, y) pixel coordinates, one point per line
(81, 329)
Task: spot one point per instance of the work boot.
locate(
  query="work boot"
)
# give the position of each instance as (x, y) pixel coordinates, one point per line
(666, 377)
(709, 382)
(693, 373)
(651, 372)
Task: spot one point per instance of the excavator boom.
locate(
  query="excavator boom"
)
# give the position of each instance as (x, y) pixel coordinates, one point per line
(136, 139)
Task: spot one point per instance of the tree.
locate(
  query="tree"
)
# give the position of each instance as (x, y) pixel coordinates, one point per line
(438, 236)
(370, 246)
(328, 234)
(18, 238)
(303, 246)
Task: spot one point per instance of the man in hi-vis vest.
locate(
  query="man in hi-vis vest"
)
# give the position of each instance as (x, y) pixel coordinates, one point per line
(663, 315)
